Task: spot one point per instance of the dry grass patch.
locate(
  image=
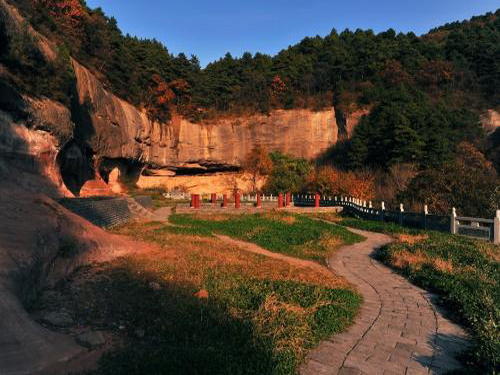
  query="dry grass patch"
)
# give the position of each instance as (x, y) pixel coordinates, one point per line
(491, 251)
(411, 239)
(269, 320)
(327, 216)
(417, 259)
(405, 259)
(442, 265)
(288, 219)
(330, 242)
(212, 217)
(191, 257)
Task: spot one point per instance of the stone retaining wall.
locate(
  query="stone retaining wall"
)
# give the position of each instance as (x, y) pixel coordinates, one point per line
(103, 212)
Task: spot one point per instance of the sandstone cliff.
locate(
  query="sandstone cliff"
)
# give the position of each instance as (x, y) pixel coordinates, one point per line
(116, 129)
(491, 121)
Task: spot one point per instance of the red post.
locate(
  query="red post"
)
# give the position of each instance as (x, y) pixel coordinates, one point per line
(237, 200)
(224, 201)
(288, 199)
(197, 201)
(280, 200)
(214, 199)
(192, 202)
(259, 201)
(316, 200)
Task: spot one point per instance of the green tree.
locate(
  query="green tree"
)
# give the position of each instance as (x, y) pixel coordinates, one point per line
(468, 183)
(288, 174)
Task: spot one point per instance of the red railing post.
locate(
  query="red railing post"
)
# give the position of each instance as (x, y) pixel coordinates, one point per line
(280, 200)
(224, 201)
(213, 199)
(316, 200)
(259, 201)
(288, 199)
(198, 201)
(192, 203)
(237, 200)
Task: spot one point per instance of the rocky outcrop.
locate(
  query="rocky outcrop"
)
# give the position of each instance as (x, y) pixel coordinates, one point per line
(205, 183)
(116, 129)
(28, 157)
(491, 121)
(101, 132)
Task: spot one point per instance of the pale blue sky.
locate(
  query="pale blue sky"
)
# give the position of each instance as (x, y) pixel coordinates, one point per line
(210, 28)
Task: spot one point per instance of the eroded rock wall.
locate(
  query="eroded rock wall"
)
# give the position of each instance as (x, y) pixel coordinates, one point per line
(28, 157)
(116, 129)
(204, 184)
(491, 121)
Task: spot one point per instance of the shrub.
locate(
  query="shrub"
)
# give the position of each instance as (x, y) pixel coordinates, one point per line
(288, 173)
(330, 181)
(469, 183)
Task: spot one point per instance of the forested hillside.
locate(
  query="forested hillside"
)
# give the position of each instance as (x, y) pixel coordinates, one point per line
(425, 93)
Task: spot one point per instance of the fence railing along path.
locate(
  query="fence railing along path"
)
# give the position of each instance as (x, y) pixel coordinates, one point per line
(108, 212)
(486, 229)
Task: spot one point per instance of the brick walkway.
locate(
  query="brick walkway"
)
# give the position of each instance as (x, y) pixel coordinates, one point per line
(399, 330)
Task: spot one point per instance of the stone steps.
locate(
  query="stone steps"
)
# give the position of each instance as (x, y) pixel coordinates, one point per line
(106, 212)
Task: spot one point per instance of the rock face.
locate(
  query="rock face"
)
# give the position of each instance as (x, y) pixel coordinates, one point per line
(115, 129)
(491, 121)
(28, 157)
(206, 183)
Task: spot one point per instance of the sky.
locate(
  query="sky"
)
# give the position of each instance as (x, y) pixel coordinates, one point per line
(211, 28)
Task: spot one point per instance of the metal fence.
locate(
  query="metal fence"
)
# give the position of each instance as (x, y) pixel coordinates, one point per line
(486, 229)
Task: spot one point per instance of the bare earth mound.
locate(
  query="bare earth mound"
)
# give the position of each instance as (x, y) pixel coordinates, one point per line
(41, 242)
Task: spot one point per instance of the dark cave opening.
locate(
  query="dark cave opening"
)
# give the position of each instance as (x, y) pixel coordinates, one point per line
(76, 166)
(128, 170)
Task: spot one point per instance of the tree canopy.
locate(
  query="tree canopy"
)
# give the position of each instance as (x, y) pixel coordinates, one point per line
(458, 64)
(425, 94)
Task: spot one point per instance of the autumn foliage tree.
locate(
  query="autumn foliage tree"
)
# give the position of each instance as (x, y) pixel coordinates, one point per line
(278, 88)
(258, 164)
(68, 14)
(435, 73)
(330, 181)
(164, 98)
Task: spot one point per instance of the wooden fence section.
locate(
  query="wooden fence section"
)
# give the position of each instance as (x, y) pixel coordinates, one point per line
(486, 229)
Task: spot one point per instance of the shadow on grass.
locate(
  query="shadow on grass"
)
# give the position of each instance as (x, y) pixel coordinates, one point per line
(168, 330)
(234, 325)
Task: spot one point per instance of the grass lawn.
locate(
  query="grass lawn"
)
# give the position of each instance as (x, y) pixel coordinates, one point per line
(464, 272)
(197, 305)
(285, 233)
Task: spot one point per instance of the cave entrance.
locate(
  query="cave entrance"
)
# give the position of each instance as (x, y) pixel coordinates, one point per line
(120, 170)
(75, 165)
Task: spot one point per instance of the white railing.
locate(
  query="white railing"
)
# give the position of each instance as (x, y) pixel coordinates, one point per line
(465, 226)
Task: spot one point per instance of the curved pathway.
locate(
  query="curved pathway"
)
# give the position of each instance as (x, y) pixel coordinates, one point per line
(256, 249)
(398, 331)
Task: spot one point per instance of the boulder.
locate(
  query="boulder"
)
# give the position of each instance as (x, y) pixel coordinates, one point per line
(91, 339)
(58, 318)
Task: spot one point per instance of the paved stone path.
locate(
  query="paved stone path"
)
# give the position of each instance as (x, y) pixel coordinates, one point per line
(399, 329)
(162, 214)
